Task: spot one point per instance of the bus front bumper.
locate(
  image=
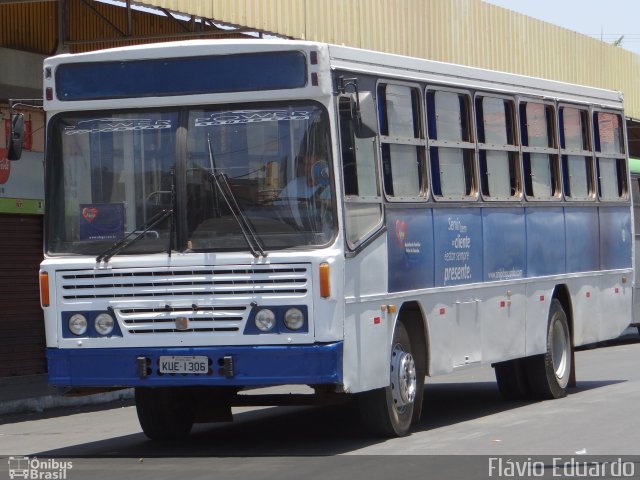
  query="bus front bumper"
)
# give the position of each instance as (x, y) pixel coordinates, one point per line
(315, 364)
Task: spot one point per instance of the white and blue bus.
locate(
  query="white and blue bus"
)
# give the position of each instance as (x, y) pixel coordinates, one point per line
(226, 215)
(634, 169)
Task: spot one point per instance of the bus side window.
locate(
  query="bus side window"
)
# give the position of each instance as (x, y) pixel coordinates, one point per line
(577, 156)
(498, 151)
(451, 145)
(402, 139)
(362, 199)
(610, 155)
(539, 151)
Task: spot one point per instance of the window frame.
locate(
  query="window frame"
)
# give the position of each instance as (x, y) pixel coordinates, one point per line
(359, 199)
(567, 152)
(553, 150)
(465, 147)
(619, 157)
(487, 147)
(420, 143)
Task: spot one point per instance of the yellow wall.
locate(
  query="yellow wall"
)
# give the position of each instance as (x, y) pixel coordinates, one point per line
(469, 32)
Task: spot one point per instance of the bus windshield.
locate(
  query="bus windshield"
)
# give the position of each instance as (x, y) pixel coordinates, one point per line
(111, 172)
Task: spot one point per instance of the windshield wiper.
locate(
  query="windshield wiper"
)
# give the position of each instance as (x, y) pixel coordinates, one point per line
(133, 236)
(222, 185)
(142, 230)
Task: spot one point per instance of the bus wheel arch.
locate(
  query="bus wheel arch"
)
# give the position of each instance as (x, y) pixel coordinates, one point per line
(414, 320)
(561, 293)
(390, 411)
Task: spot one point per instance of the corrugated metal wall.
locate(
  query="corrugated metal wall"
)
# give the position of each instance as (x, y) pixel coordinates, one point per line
(469, 32)
(22, 341)
(29, 26)
(33, 27)
(85, 26)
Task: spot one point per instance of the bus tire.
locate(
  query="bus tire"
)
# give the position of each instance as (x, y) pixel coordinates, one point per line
(549, 373)
(164, 413)
(388, 412)
(512, 380)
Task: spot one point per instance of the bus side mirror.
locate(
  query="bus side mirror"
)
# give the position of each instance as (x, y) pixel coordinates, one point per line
(364, 115)
(16, 137)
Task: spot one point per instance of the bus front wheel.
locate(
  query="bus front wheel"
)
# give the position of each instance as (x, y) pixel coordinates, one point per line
(388, 411)
(164, 413)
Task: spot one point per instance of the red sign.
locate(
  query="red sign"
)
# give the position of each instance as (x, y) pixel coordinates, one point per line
(27, 135)
(5, 165)
(89, 214)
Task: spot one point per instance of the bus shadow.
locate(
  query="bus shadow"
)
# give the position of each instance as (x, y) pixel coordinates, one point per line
(447, 404)
(306, 431)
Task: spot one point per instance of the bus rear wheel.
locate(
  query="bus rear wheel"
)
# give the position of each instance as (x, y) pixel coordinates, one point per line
(388, 412)
(164, 413)
(550, 372)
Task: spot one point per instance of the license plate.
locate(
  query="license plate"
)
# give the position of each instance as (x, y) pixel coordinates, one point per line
(175, 364)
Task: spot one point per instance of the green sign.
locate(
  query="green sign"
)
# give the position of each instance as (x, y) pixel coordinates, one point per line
(23, 206)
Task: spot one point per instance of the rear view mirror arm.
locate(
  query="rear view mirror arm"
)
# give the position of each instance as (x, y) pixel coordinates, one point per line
(16, 134)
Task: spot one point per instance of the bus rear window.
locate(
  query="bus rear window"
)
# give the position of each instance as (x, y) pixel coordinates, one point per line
(181, 76)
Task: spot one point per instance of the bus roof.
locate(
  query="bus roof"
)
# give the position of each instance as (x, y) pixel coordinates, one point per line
(361, 60)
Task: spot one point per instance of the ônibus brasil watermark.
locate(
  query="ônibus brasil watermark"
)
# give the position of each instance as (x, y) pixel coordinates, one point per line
(37, 469)
(559, 467)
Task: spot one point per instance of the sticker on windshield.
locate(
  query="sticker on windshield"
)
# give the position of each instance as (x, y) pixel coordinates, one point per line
(251, 116)
(101, 221)
(111, 125)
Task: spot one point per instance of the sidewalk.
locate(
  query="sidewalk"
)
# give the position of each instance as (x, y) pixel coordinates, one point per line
(31, 393)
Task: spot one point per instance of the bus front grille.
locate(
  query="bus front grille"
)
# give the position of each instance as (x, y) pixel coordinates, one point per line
(185, 283)
(199, 319)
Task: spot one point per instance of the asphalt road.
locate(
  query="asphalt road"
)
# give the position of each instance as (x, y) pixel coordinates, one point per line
(463, 415)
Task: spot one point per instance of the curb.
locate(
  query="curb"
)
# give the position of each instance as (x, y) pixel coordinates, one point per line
(32, 394)
(48, 402)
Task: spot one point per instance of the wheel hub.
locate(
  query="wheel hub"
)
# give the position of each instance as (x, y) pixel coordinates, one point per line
(559, 350)
(403, 377)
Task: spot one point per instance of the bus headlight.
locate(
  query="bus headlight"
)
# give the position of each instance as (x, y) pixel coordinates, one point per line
(265, 320)
(78, 324)
(294, 319)
(104, 324)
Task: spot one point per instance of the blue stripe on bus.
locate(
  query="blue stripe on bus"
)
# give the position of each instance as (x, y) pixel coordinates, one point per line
(458, 246)
(545, 229)
(449, 246)
(410, 247)
(253, 365)
(504, 243)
